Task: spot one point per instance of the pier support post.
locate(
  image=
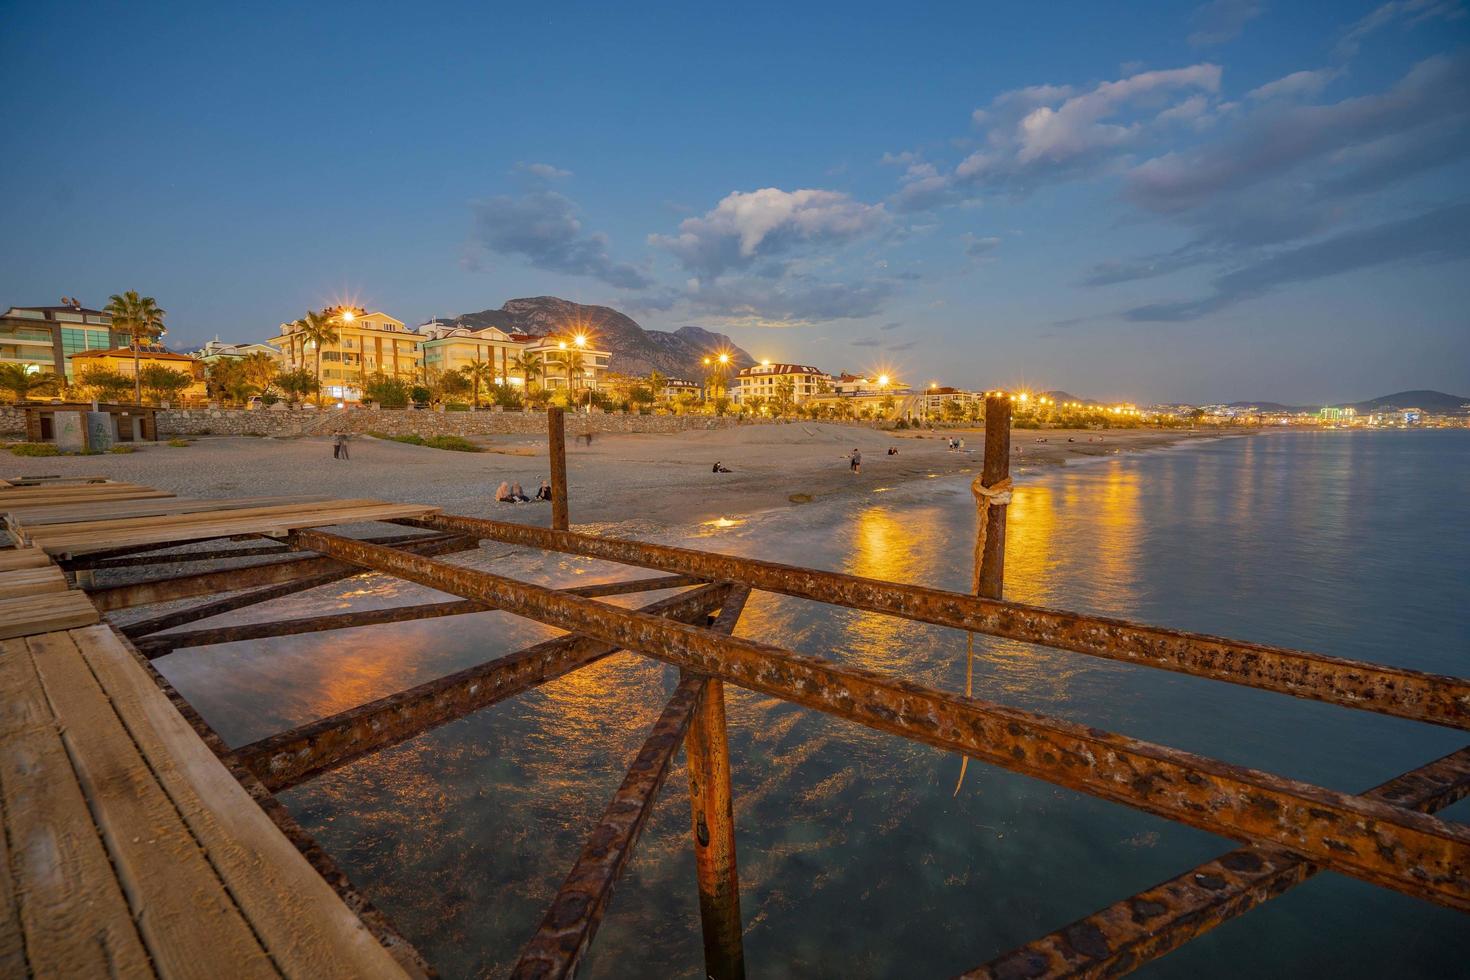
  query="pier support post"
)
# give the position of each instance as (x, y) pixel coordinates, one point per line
(556, 434)
(995, 470)
(707, 752)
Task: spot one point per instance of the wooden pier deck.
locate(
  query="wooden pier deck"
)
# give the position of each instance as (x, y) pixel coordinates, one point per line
(129, 847)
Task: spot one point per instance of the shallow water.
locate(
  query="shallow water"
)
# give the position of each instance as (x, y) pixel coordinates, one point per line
(855, 858)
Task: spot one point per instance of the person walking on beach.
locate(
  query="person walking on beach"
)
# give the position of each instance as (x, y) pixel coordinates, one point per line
(855, 462)
(339, 446)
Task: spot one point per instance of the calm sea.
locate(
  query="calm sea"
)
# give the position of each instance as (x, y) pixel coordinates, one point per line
(856, 858)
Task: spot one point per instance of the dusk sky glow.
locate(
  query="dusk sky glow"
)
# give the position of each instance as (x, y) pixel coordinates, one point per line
(1150, 202)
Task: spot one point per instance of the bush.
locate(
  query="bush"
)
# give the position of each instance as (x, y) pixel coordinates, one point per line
(122, 449)
(34, 449)
(178, 443)
(455, 443)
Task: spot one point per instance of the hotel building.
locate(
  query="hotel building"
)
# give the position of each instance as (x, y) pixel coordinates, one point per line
(766, 380)
(48, 336)
(120, 360)
(449, 348)
(367, 342)
(554, 350)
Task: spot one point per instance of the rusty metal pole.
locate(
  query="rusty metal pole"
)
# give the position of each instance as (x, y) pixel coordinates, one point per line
(707, 750)
(556, 434)
(995, 469)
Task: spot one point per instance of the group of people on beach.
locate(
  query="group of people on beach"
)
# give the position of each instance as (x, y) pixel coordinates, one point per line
(955, 444)
(512, 493)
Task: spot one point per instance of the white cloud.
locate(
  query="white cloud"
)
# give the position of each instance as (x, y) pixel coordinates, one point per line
(1297, 85)
(1411, 12)
(744, 227)
(543, 170)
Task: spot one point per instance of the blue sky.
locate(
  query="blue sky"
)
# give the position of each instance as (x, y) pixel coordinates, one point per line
(1150, 201)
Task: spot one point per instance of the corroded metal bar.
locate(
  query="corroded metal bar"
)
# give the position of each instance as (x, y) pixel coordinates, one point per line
(556, 438)
(1410, 694)
(1380, 843)
(707, 751)
(174, 587)
(577, 910)
(290, 758)
(335, 573)
(376, 921)
(162, 644)
(93, 562)
(1128, 934)
(995, 468)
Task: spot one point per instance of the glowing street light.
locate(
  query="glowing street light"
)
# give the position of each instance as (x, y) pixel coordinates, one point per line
(580, 340)
(724, 358)
(348, 316)
(561, 345)
(882, 381)
(765, 362)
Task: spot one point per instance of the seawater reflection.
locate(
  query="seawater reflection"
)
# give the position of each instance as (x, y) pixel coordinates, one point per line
(855, 857)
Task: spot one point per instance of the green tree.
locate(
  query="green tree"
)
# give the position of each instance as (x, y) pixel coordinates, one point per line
(656, 384)
(785, 396)
(452, 385)
(260, 370)
(162, 382)
(529, 367)
(319, 329)
(386, 390)
(479, 374)
(23, 380)
(228, 382)
(141, 319)
(105, 384)
(297, 384)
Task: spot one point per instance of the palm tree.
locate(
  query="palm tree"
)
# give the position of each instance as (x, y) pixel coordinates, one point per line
(319, 329)
(21, 380)
(479, 372)
(529, 367)
(142, 320)
(573, 361)
(260, 369)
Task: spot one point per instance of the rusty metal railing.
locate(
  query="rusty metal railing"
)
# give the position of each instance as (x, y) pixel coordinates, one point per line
(1289, 830)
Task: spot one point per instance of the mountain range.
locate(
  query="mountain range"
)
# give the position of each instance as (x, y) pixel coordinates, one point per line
(1435, 402)
(635, 350)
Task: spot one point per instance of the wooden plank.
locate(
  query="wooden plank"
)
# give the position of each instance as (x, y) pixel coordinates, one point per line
(69, 905)
(188, 921)
(27, 615)
(302, 922)
(13, 558)
(108, 524)
(226, 525)
(115, 510)
(31, 581)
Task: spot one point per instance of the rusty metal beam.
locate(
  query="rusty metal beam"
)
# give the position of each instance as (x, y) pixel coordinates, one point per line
(1128, 934)
(1384, 844)
(292, 757)
(219, 607)
(577, 910)
(372, 917)
(1432, 698)
(92, 561)
(113, 598)
(556, 444)
(712, 818)
(162, 644)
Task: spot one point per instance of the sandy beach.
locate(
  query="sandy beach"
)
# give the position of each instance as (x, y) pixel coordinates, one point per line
(664, 479)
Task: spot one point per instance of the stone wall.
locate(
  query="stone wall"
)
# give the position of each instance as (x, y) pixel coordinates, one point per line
(270, 422)
(12, 422)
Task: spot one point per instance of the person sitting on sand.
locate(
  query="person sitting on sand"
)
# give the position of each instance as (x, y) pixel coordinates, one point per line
(543, 492)
(893, 450)
(518, 494)
(502, 493)
(720, 468)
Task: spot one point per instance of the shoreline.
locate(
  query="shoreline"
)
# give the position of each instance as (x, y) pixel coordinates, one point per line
(664, 479)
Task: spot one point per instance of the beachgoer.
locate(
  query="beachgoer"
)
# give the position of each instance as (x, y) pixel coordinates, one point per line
(518, 494)
(339, 446)
(502, 493)
(855, 461)
(720, 468)
(543, 492)
(893, 450)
